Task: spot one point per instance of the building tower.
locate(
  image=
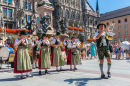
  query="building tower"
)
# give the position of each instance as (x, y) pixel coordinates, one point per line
(97, 9)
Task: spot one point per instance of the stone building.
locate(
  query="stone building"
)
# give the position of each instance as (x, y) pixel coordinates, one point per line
(15, 13)
(121, 18)
(7, 13)
(77, 14)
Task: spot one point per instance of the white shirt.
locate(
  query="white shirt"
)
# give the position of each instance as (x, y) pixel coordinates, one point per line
(72, 45)
(65, 42)
(104, 41)
(17, 40)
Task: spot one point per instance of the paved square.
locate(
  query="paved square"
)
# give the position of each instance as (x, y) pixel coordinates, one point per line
(88, 74)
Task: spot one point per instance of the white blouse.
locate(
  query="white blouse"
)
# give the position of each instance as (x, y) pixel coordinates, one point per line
(73, 45)
(17, 41)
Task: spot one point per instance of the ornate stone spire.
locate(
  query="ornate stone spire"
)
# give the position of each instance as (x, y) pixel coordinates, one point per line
(97, 9)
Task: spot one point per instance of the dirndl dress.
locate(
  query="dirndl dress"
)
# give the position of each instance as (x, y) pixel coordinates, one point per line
(44, 58)
(57, 58)
(73, 59)
(22, 62)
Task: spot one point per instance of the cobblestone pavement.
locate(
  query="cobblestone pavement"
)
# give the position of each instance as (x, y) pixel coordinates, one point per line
(88, 74)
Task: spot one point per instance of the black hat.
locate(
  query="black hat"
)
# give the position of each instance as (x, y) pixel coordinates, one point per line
(58, 33)
(101, 24)
(67, 36)
(1, 39)
(23, 32)
(44, 34)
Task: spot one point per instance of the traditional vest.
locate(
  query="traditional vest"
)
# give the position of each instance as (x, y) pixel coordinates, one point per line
(66, 45)
(100, 42)
(57, 42)
(43, 44)
(21, 44)
(36, 47)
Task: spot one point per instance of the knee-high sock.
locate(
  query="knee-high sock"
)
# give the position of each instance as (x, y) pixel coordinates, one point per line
(101, 69)
(70, 66)
(74, 66)
(61, 67)
(21, 74)
(56, 68)
(109, 67)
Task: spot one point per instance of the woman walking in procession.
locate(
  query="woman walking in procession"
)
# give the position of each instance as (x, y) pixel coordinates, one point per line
(22, 62)
(44, 57)
(73, 53)
(57, 58)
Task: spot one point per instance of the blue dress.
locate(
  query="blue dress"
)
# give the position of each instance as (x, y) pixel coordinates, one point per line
(92, 50)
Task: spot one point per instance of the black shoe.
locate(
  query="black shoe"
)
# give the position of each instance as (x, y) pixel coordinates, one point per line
(71, 69)
(62, 70)
(22, 77)
(104, 77)
(75, 68)
(46, 72)
(29, 75)
(109, 74)
(39, 72)
(57, 70)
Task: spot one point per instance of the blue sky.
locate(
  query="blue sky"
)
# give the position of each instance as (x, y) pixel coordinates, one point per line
(109, 5)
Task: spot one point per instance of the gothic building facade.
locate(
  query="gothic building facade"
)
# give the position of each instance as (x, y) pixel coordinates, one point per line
(77, 14)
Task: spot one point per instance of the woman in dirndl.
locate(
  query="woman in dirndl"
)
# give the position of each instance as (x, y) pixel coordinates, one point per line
(57, 58)
(73, 53)
(44, 57)
(22, 62)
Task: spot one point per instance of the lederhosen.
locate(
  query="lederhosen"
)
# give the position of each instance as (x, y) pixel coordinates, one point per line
(66, 48)
(44, 57)
(22, 59)
(57, 58)
(36, 51)
(103, 50)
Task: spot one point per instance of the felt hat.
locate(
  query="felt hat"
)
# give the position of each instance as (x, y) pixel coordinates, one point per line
(101, 24)
(58, 33)
(44, 34)
(23, 32)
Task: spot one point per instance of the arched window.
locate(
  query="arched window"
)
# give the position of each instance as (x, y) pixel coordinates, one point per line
(67, 14)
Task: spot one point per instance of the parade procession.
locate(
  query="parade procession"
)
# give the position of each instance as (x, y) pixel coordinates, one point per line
(63, 43)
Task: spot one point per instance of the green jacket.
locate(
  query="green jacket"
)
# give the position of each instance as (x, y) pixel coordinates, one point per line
(100, 42)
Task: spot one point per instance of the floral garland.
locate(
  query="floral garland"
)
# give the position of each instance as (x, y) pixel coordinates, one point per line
(75, 28)
(70, 28)
(91, 39)
(15, 31)
(81, 29)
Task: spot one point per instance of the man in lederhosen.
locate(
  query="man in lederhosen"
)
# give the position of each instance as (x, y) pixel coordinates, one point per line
(103, 49)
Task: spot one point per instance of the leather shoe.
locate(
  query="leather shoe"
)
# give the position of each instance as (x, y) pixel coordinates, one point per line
(109, 74)
(104, 77)
(39, 72)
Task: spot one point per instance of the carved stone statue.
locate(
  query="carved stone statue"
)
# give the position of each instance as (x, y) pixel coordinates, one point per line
(62, 26)
(29, 26)
(45, 21)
